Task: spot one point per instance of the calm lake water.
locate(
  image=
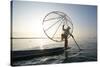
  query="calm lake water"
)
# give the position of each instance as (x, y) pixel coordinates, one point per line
(33, 44)
(88, 53)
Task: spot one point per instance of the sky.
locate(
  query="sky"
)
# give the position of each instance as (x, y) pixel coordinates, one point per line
(28, 17)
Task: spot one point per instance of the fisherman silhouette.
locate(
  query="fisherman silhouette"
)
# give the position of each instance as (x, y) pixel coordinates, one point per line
(65, 35)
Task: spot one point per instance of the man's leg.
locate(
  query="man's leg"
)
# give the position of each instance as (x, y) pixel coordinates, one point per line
(62, 36)
(66, 43)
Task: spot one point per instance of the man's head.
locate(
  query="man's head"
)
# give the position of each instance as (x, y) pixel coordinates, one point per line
(68, 27)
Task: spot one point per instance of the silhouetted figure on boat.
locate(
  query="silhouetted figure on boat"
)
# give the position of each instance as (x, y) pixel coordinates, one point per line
(65, 35)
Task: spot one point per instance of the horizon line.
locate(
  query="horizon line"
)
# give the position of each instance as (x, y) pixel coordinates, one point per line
(30, 37)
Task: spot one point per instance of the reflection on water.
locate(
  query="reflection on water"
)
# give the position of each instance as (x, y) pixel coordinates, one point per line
(33, 44)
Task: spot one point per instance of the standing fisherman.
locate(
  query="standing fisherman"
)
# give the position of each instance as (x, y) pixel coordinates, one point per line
(65, 35)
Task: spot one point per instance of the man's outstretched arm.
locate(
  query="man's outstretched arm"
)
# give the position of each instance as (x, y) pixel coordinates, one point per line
(63, 27)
